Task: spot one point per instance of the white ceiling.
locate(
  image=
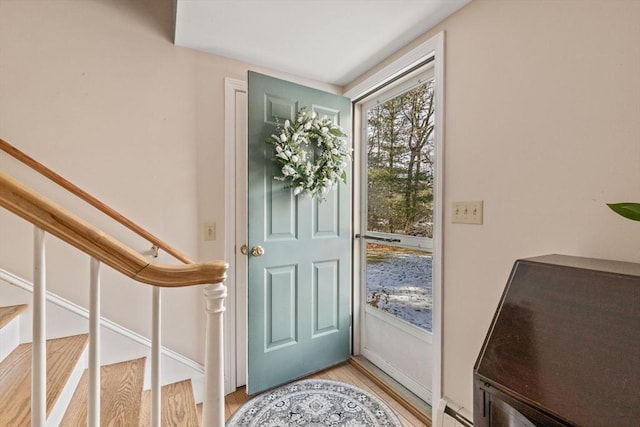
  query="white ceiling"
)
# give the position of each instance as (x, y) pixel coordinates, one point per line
(332, 41)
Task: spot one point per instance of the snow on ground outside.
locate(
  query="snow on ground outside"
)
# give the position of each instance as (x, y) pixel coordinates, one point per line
(402, 285)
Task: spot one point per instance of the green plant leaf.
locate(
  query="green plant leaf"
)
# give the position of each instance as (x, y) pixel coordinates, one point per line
(626, 209)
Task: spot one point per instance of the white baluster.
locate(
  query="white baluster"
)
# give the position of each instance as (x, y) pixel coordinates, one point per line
(155, 357)
(213, 405)
(94, 345)
(39, 351)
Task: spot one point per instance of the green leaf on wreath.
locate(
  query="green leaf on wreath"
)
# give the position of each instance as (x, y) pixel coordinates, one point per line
(336, 132)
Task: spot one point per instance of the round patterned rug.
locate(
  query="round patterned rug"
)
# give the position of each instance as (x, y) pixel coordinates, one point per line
(314, 403)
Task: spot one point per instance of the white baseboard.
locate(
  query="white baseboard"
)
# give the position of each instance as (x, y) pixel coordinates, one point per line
(438, 413)
(174, 365)
(454, 416)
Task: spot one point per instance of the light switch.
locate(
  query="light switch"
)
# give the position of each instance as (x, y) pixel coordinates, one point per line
(468, 212)
(209, 231)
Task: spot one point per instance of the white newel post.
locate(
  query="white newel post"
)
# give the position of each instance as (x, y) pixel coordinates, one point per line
(213, 405)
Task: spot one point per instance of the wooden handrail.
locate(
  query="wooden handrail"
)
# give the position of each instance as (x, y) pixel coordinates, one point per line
(77, 191)
(61, 223)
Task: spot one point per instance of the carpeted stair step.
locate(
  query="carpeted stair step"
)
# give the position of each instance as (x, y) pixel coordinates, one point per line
(10, 328)
(178, 406)
(63, 355)
(120, 392)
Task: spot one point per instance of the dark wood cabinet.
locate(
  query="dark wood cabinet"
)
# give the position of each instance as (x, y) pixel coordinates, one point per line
(563, 348)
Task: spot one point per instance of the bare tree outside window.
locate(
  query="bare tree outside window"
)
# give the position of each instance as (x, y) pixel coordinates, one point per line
(400, 163)
(400, 175)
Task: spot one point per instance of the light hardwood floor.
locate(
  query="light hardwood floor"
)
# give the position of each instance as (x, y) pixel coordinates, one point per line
(347, 374)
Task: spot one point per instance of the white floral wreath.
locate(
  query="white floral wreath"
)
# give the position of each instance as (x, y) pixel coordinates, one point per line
(295, 143)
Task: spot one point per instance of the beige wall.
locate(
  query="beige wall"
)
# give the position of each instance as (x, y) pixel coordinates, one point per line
(543, 124)
(96, 90)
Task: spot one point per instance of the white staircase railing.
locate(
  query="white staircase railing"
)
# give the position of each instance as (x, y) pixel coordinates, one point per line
(156, 344)
(48, 217)
(93, 411)
(213, 405)
(39, 349)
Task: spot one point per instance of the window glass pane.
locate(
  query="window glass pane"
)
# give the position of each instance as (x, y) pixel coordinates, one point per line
(400, 172)
(400, 160)
(399, 282)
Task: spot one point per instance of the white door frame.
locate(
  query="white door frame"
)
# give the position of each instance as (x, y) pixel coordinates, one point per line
(434, 47)
(235, 154)
(236, 213)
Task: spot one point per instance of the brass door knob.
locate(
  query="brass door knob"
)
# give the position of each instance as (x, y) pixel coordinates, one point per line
(244, 249)
(257, 251)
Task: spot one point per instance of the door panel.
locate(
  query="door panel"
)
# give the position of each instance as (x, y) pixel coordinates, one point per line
(326, 218)
(281, 211)
(300, 289)
(280, 315)
(326, 299)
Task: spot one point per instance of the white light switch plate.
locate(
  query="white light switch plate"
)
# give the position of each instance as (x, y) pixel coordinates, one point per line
(468, 212)
(209, 231)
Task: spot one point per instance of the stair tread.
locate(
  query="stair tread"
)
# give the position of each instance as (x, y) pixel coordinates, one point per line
(8, 313)
(120, 395)
(199, 412)
(15, 377)
(178, 406)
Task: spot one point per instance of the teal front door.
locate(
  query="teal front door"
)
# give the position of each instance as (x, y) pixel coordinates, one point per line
(300, 285)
